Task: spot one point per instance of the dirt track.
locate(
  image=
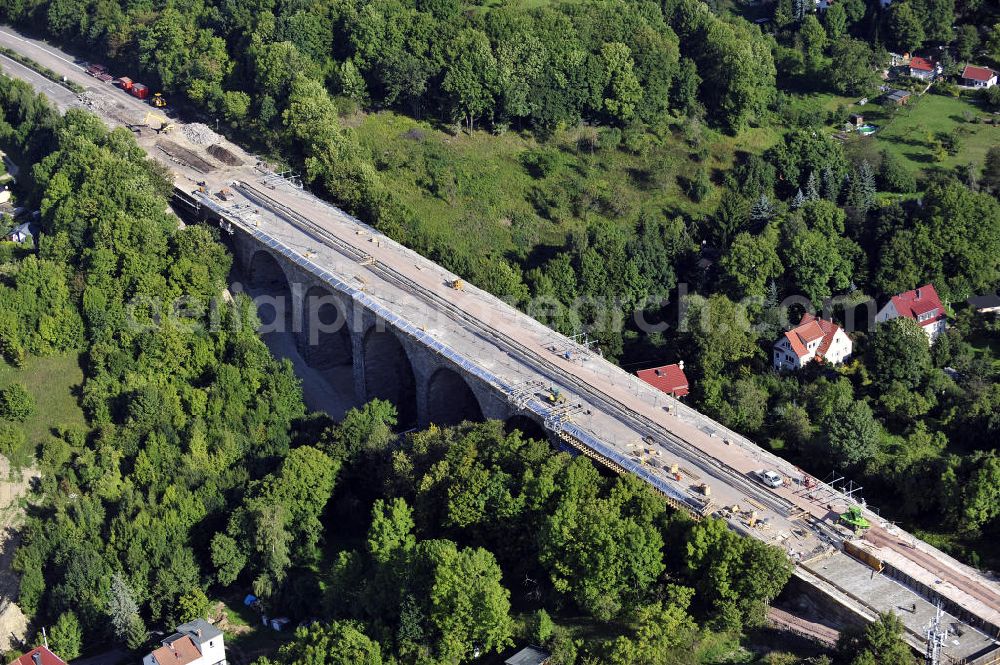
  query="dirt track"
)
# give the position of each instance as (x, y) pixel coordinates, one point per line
(13, 486)
(795, 624)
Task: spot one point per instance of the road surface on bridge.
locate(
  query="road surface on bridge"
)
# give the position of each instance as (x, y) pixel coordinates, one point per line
(526, 357)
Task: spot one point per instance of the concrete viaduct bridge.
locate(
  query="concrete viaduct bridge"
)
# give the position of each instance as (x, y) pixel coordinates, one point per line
(337, 327)
(357, 303)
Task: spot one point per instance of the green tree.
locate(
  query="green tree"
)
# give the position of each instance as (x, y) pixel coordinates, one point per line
(900, 353)
(337, 643)
(835, 20)
(879, 642)
(894, 176)
(192, 604)
(66, 636)
(228, 558)
(622, 90)
(966, 41)
(661, 629)
(468, 605)
(937, 17)
(905, 27)
(470, 75)
(752, 261)
(991, 170)
(993, 41)
(737, 576)
(16, 403)
(816, 264)
(390, 534)
(598, 555)
(981, 495)
(814, 41)
(854, 72)
(852, 437)
(719, 332)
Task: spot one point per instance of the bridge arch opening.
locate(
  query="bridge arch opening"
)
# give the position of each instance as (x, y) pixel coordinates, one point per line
(450, 400)
(528, 426)
(326, 335)
(271, 292)
(389, 375)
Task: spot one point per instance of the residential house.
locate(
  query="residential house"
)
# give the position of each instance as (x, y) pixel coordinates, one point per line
(529, 656)
(23, 233)
(668, 378)
(921, 305)
(39, 656)
(922, 68)
(813, 339)
(195, 643)
(978, 77)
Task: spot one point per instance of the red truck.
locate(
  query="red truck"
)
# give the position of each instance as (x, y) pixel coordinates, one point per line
(139, 90)
(125, 83)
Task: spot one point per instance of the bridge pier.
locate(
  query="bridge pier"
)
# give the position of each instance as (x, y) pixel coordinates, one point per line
(333, 329)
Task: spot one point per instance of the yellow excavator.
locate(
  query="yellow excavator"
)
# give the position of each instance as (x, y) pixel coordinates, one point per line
(158, 100)
(164, 125)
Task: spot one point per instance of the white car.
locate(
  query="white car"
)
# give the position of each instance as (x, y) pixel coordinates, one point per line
(770, 478)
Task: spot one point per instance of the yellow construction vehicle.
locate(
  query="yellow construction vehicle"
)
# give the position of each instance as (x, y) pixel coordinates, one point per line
(457, 284)
(158, 100)
(555, 396)
(164, 126)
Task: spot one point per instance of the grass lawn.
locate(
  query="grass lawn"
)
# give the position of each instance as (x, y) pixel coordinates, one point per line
(472, 193)
(911, 131)
(54, 383)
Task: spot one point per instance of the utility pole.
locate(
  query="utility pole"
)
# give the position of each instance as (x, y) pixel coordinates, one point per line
(935, 638)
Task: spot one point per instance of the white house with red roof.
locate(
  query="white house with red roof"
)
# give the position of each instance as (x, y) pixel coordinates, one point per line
(671, 379)
(194, 643)
(813, 339)
(922, 68)
(978, 77)
(921, 305)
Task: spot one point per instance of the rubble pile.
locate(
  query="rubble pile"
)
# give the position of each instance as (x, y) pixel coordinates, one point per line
(200, 134)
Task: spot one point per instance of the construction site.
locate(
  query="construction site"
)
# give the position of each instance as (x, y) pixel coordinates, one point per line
(846, 555)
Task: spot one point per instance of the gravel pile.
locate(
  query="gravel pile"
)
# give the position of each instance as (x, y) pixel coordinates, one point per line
(200, 134)
(95, 102)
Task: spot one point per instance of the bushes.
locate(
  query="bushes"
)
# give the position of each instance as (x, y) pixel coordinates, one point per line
(16, 403)
(893, 175)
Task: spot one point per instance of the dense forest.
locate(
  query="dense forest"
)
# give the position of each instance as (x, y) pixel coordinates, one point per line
(200, 471)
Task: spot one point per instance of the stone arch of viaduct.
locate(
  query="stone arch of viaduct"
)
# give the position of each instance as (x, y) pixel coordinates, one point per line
(333, 331)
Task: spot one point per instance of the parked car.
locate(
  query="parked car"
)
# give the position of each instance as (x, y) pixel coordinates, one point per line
(769, 478)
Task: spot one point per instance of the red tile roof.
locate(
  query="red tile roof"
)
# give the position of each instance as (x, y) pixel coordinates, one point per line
(809, 330)
(923, 64)
(668, 378)
(180, 651)
(978, 73)
(46, 657)
(919, 301)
